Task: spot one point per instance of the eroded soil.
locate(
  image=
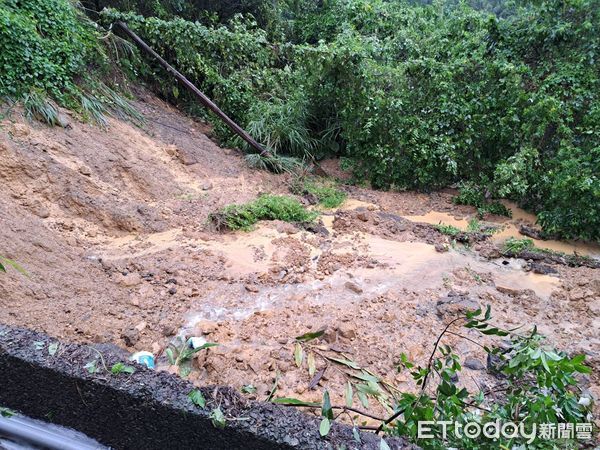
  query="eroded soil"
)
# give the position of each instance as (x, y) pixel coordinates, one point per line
(111, 227)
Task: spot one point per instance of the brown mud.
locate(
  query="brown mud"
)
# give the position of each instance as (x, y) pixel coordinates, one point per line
(111, 227)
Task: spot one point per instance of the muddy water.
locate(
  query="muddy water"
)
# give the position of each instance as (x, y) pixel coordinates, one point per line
(401, 265)
(510, 228)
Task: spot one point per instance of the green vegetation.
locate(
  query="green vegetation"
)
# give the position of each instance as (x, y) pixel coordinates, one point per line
(265, 207)
(515, 246)
(9, 262)
(324, 191)
(119, 368)
(51, 55)
(502, 96)
(535, 384)
(415, 96)
(474, 195)
(449, 230)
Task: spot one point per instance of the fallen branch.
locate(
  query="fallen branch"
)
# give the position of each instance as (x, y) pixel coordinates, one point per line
(194, 90)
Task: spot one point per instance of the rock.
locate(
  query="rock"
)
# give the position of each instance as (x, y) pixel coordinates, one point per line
(455, 305)
(168, 330)
(172, 291)
(508, 290)
(351, 285)
(130, 336)
(490, 252)
(595, 286)
(206, 186)
(206, 327)
(130, 280)
(84, 170)
(40, 210)
(186, 157)
(251, 288)
(62, 120)
(473, 364)
(363, 216)
(441, 248)
(347, 331)
(542, 269)
(286, 227)
(141, 326)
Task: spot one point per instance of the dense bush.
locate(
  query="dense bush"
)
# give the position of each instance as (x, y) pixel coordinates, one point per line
(44, 44)
(415, 96)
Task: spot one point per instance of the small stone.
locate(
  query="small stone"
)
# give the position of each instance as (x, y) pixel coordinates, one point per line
(168, 330)
(172, 291)
(440, 248)
(206, 327)
(508, 290)
(542, 269)
(206, 186)
(41, 211)
(130, 336)
(455, 305)
(362, 216)
(251, 288)
(351, 285)
(474, 364)
(129, 280)
(141, 326)
(84, 170)
(347, 331)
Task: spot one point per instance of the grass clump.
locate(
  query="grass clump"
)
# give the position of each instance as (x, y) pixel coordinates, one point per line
(266, 207)
(323, 191)
(516, 246)
(449, 230)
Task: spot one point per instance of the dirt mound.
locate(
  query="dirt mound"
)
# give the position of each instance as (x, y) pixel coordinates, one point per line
(111, 227)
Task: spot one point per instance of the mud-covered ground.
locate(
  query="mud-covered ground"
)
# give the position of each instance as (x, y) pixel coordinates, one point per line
(111, 226)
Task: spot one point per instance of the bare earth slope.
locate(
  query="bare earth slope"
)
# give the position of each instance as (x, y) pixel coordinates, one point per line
(111, 227)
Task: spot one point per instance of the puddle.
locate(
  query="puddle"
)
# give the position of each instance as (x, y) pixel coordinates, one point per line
(511, 229)
(414, 266)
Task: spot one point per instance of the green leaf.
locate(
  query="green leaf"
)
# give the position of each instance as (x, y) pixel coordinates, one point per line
(310, 336)
(197, 398)
(298, 354)
(52, 348)
(91, 367)
(348, 394)
(324, 427)
(326, 410)
(218, 418)
(170, 356)
(120, 367)
(363, 399)
(311, 364)
(345, 362)
(294, 401)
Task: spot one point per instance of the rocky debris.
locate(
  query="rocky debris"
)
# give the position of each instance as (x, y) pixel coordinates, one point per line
(441, 248)
(251, 288)
(206, 186)
(542, 269)
(130, 336)
(453, 305)
(172, 291)
(286, 227)
(354, 287)
(130, 280)
(474, 364)
(85, 170)
(347, 330)
(508, 290)
(532, 232)
(206, 327)
(362, 214)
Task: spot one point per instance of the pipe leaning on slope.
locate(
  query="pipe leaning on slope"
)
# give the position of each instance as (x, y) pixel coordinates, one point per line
(194, 90)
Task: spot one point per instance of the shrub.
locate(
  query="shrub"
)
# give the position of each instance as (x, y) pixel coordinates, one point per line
(265, 207)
